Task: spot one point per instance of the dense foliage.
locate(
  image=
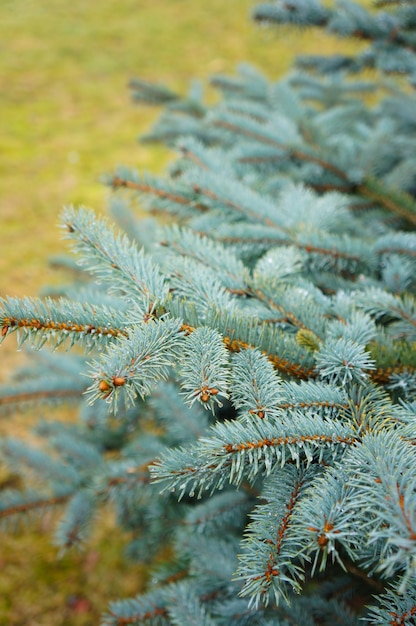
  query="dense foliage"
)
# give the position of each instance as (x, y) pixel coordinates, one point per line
(252, 357)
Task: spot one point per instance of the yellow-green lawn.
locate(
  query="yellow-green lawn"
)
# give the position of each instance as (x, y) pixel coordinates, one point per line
(66, 118)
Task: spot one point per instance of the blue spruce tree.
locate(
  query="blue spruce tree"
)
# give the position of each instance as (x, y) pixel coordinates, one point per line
(247, 375)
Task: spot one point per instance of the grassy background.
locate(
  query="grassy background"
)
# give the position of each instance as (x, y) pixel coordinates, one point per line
(65, 118)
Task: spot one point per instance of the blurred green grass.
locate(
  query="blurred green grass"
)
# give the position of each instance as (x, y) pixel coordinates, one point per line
(66, 118)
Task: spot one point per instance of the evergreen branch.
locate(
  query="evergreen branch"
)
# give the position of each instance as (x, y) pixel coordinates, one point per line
(59, 321)
(156, 606)
(20, 457)
(312, 404)
(116, 260)
(395, 609)
(392, 250)
(400, 243)
(397, 202)
(271, 564)
(354, 21)
(218, 512)
(251, 213)
(327, 400)
(307, 246)
(83, 455)
(187, 606)
(124, 475)
(342, 361)
(117, 182)
(50, 380)
(231, 448)
(168, 197)
(399, 311)
(179, 422)
(225, 266)
(244, 449)
(293, 13)
(26, 507)
(387, 489)
(14, 323)
(382, 375)
(330, 187)
(403, 618)
(287, 315)
(112, 619)
(270, 158)
(203, 156)
(331, 252)
(270, 284)
(40, 395)
(256, 390)
(297, 370)
(134, 364)
(325, 519)
(255, 338)
(74, 525)
(192, 155)
(288, 356)
(204, 368)
(292, 152)
(269, 242)
(195, 283)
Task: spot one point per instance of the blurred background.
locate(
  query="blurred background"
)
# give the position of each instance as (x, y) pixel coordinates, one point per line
(65, 119)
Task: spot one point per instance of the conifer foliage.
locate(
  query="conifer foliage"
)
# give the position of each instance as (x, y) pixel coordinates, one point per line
(247, 394)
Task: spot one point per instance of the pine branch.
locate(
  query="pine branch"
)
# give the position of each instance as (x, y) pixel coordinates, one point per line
(398, 203)
(272, 565)
(283, 365)
(116, 260)
(60, 322)
(26, 507)
(136, 363)
(39, 395)
(118, 182)
(239, 450)
(293, 153)
(113, 619)
(395, 609)
(13, 323)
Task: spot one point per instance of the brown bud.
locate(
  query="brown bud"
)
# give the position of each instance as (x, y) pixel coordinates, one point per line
(104, 386)
(119, 381)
